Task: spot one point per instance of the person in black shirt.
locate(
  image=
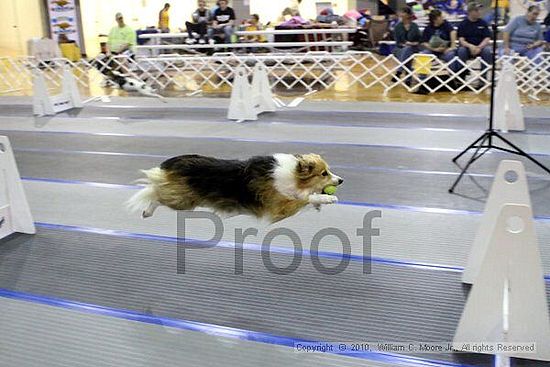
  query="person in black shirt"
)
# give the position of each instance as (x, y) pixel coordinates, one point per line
(474, 37)
(223, 22)
(439, 38)
(201, 18)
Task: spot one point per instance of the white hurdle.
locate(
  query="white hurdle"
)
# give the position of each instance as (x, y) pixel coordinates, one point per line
(15, 214)
(240, 105)
(262, 97)
(506, 271)
(44, 104)
(504, 190)
(249, 100)
(508, 112)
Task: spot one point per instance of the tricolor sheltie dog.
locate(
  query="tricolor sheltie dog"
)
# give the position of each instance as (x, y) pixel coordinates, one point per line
(271, 187)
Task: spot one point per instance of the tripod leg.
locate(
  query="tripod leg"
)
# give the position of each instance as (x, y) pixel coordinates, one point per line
(519, 151)
(482, 138)
(473, 158)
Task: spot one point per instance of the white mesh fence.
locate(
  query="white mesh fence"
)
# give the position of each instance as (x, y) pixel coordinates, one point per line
(312, 70)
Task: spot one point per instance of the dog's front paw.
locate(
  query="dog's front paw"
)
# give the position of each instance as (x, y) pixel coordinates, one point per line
(321, 199)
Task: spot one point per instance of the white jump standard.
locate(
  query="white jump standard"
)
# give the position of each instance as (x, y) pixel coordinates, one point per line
(15, 214)
(506, 271)
(44, 104)
(248, 101)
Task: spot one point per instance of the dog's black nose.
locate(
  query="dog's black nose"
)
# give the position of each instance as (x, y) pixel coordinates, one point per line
(340, 181)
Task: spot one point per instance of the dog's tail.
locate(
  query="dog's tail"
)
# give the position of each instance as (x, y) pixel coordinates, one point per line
(147, 197)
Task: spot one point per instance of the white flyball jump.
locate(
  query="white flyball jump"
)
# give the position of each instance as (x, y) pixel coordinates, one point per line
(503, 191)
(44, 104)
(508, 115)
(506, 271)
(248, 101)
(15, 214)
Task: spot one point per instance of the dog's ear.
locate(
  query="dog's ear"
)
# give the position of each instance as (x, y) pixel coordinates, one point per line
(305, 166)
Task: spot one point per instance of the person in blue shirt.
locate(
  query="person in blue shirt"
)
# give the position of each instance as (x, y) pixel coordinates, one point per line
(474, 37)
(524, 34)
(439, 37)
(407, 38)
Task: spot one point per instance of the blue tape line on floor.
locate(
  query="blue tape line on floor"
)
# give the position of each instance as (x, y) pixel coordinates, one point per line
(256, 247)
(210, 329)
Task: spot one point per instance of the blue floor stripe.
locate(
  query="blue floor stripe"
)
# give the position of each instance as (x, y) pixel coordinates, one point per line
(214, 330)
(257, 247)
(248, 246)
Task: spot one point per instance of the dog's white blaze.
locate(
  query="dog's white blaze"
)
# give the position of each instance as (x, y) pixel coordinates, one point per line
(284, 176)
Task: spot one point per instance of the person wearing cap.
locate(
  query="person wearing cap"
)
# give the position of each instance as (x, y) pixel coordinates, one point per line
(122, 37)
(407, 38)
(524, 34)
(474, 37)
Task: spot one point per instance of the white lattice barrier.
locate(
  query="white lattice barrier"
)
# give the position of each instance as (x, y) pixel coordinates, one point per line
(289, 71)
(15, 74)
(533, 76)
(292, 71)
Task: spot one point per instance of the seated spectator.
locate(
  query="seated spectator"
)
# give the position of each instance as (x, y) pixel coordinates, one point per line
(164, 19)
(327, 16)
(439, 37)
(199, 28)
(253, 24)
(121, 38)
(524, 34)
(223, 22)
(295, 21)
(474, 38)
(291, 17)
(285, 15)
(407, 38)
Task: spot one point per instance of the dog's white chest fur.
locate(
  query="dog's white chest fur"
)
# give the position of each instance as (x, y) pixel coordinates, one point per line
(284, 176)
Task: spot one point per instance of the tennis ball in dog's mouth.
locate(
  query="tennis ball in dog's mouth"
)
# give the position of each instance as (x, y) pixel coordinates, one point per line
(330, 190)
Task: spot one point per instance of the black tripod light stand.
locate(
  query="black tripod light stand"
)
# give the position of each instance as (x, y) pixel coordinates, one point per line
(487, 141)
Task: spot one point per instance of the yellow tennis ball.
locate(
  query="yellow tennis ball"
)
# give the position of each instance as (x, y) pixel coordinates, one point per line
(330, 190)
